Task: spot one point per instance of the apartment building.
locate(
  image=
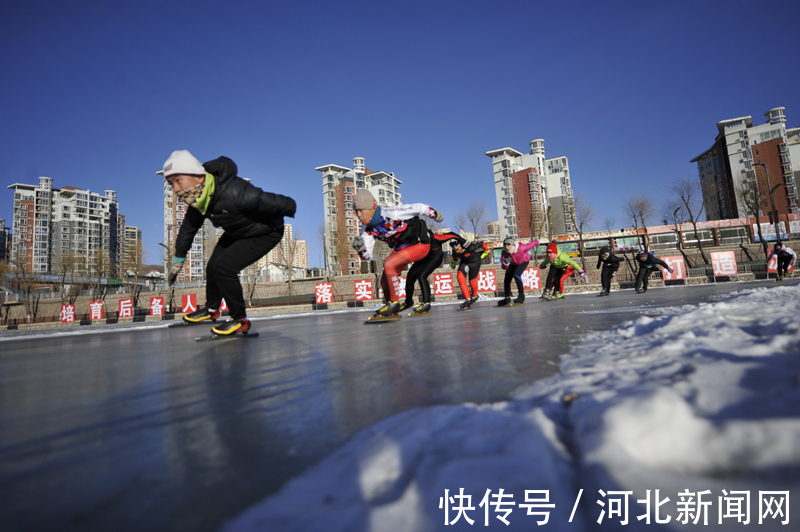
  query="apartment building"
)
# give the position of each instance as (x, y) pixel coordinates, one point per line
(339, 186)
(747, 159)
(4, 241)
(534, 195)
(55, 229)
(281, 253)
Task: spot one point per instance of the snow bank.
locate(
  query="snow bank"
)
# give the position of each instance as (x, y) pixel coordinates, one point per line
(700, 403)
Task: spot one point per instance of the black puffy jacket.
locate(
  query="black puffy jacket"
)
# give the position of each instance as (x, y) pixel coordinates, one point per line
(240, 208)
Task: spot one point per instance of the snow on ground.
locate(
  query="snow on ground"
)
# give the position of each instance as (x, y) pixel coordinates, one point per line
(697, 404)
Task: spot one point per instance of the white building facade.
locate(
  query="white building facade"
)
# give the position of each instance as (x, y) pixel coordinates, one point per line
(533, 194)
(339, 186)
(53, 227)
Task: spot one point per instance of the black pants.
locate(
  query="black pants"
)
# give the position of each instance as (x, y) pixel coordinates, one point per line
(643, 277)
(419, 272)
(229, 258)
(783, 265)
(514, 271)
(605, 277)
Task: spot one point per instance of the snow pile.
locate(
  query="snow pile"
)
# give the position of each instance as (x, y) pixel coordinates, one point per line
(700, 403)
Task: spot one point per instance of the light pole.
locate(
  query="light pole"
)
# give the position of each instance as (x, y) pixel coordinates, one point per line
(771, 199)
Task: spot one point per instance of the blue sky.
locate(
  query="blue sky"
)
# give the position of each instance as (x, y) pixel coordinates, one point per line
(97, 95)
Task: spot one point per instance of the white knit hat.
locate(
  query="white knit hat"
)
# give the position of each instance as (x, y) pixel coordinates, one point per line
(181, 162)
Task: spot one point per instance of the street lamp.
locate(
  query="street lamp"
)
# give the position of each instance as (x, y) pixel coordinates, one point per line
(771, 199)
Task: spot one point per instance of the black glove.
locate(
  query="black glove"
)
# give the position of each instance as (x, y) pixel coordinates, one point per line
(358, 244)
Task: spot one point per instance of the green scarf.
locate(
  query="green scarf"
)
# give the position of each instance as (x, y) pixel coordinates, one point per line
(200, 195)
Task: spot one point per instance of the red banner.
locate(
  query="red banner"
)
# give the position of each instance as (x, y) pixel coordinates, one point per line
(363, 289)
(188, 303)
(156, 306)
(323, 292)
(487, 281)
(67, 313)
(97, 310)
(678, 266)
(724, 263)
(532, 279)
(443, 284)
(126, 308)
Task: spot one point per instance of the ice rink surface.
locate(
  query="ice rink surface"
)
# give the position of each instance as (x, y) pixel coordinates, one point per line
(141, 428)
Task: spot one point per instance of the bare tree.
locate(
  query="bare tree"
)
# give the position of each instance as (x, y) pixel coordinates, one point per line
(170, 296)
(288, 253)
(747, 190)
(472, 220)
(584, 215)
(99, 265)
(131, 270)
(65, 265)
(321, 237)
(691, 196)
(639, 209)
(609, 223)
(28, 293)
(4, 287)
(674, 213)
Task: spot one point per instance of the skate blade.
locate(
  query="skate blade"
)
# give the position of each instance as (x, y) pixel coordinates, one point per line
(233, 336)
(419, 314)
(188, 324)
(381, 319)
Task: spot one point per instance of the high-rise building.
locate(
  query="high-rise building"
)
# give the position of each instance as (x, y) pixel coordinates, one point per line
(55, 229)
(747, 159)
(287, 247)
(4, 241)
(534, 195)
(339, 186)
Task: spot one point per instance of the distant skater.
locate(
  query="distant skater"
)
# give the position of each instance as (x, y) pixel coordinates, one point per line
(514, 259)
(467, 255)
(648, 263)
(786, 257)
(403, 231)
(561, 267)
(610, 264)
(421, 269)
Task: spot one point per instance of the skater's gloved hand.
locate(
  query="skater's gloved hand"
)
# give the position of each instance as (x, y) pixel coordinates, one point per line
(507, 260)
(358, 244)
(453, 264)
(175, 269)
(583, 274)
(437, 215)
(485, 253)
(670, 270)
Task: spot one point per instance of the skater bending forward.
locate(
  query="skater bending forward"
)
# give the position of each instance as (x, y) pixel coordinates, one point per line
(467, 256)
(403, 231)
(253, 224)
(786, 258)
(514, 259)
(561, 267)
(648, 263)
(610, 264)
(419, 272)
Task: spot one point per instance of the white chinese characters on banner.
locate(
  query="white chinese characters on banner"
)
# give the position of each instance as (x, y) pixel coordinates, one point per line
(724, 263)
(126, 308)
(363, 289)
(401, 287)
(772, 265)
(188, 303)
(67, 313)
(678, 269)
(442, 284)
(96, 310)
(531, 279)
(323, 292)
(156, 306)
(487, 281)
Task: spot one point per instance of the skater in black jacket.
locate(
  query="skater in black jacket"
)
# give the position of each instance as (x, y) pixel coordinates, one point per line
(610, 264)
(786, 258)
(253, 224)
(467, 255)
(648, 263)
(419, 272)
